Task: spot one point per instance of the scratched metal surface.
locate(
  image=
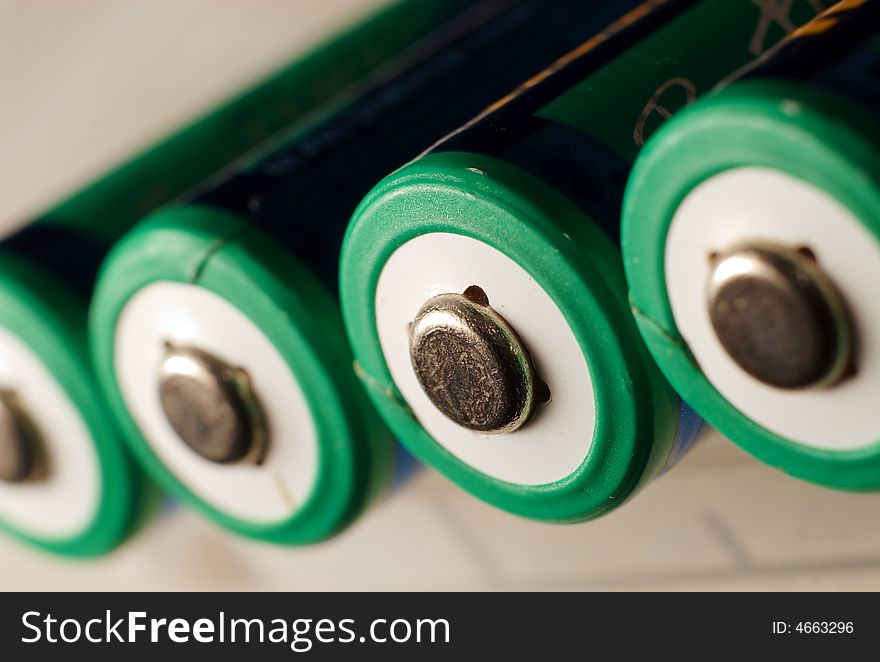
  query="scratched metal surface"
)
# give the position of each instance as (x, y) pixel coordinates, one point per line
(84, 83)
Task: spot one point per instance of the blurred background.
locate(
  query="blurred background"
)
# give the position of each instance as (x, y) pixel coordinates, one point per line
(85, 83)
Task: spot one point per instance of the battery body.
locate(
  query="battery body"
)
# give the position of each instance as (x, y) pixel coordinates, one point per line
(787, 152)
(524, 201)
(259, 245)
(93, 495)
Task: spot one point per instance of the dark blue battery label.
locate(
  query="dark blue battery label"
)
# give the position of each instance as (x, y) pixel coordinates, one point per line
(840, 50)
(303, 192)
(405, 465)
(857, 75)
(575, 163)
(73, 257)
(689, 431)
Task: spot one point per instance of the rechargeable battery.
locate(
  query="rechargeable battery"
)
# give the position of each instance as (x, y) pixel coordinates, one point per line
(751, 233)
(67, 483)
(216, 327)
(482, 284)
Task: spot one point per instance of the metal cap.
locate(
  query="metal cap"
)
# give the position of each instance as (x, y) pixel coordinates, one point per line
(472, 365)
(779, 316)
(211, 406)
(21, 456)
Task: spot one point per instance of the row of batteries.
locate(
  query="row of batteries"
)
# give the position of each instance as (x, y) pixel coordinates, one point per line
(527, 301)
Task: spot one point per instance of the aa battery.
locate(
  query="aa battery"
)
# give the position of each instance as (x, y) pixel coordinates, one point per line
(750, 233)
(483, 287)
(242, 281)
(66, 482)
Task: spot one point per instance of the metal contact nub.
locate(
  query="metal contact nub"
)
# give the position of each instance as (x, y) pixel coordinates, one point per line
(212, 406)
(21, 450)
(778, 316)
(472, 365)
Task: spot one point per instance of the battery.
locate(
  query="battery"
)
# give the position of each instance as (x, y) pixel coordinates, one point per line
(750, 232)
(483, 287)
(67, 483)
(246, 273)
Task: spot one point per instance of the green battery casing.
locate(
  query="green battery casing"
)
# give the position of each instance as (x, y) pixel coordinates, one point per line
(276, 261)
(815, 121)
(633, 74)
(47, 268)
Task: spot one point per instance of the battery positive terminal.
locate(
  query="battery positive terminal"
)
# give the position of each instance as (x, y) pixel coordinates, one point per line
(779, 316)
(212, 406)
(22, 455)
(472, 365)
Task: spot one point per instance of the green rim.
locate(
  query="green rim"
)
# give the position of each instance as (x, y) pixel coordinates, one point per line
(815, 135)
(51, 319)
(212, 249)
(577, 266)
